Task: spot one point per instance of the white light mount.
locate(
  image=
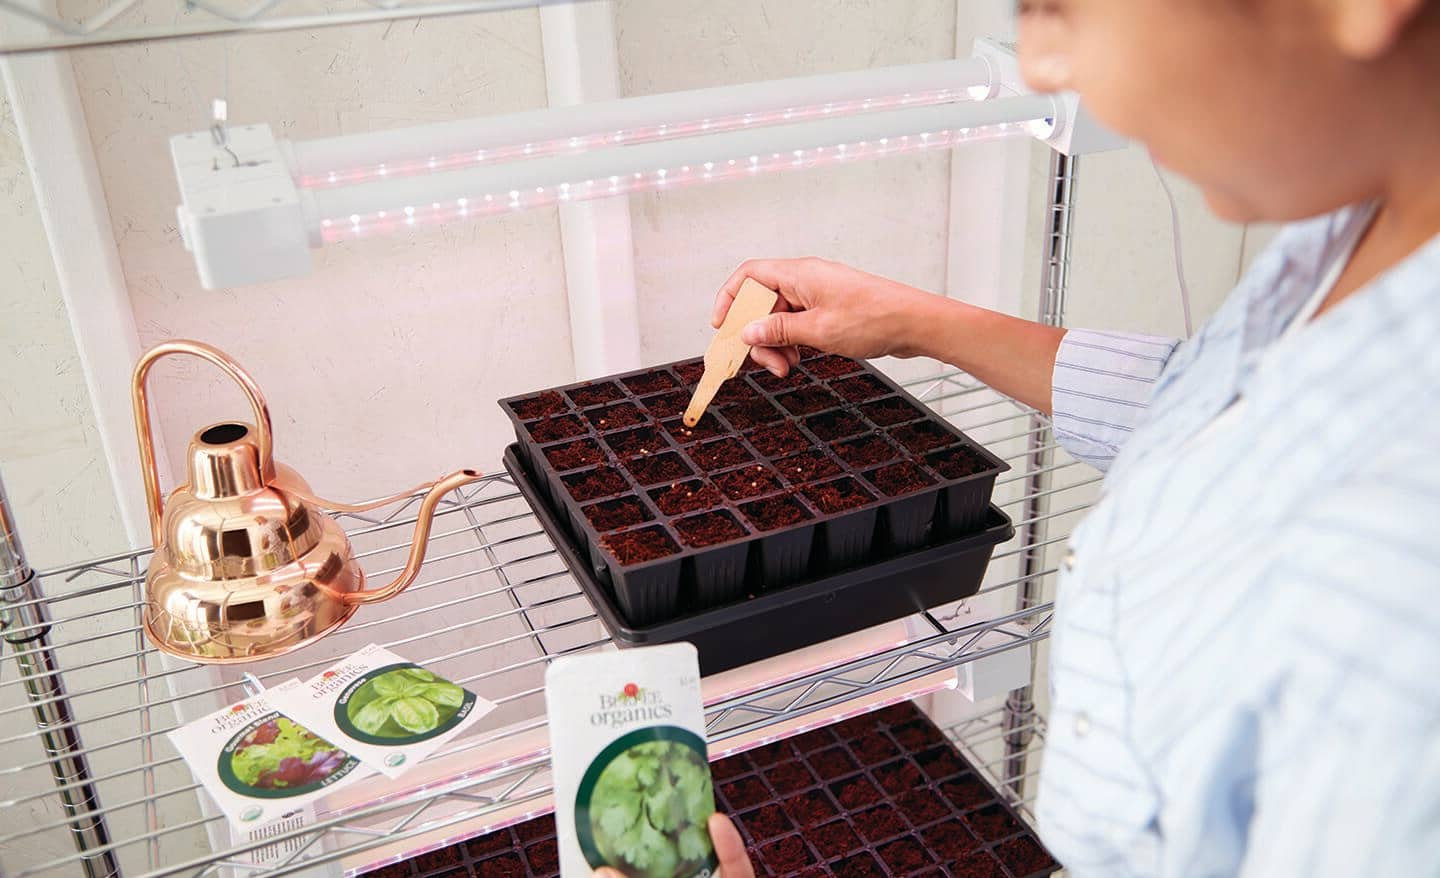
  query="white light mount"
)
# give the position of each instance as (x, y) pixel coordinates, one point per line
(1073, 131)
(252, 207)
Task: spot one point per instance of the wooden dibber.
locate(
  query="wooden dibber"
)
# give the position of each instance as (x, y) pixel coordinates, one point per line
(727, 352)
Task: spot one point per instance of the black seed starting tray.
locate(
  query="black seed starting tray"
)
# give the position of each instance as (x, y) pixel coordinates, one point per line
(801, 614)
(782, 480)
(885, 794)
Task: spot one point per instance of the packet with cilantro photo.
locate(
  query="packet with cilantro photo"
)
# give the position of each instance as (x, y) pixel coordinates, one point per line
(389, 712)
(632, 778)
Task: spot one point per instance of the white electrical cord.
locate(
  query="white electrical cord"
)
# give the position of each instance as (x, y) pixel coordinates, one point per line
(1179, 252)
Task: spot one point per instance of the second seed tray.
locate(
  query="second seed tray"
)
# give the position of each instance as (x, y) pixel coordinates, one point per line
(783, 479)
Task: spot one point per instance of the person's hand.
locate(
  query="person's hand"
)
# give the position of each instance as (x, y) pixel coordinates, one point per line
(729, 850)
(829, 306)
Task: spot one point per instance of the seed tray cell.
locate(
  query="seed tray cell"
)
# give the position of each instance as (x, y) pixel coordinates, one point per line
(817, 487)
(793, 825)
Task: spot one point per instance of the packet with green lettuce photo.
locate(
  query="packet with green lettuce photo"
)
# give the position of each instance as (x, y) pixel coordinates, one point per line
(632, 777)
(389, 712)
(259, 764)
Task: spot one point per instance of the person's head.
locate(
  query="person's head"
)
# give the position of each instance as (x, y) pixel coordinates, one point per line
(1278, 109)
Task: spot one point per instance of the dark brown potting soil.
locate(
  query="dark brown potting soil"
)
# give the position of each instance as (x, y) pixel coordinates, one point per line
(709, 529)
(587, 395)
(539, 406)
(638, 546)
(573, 455)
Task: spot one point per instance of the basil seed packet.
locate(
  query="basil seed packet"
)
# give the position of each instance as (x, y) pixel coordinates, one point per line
(631, 772)
(260, 764)
(389, 712)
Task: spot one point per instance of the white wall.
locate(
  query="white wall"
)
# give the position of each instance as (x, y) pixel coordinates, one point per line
(383, 366)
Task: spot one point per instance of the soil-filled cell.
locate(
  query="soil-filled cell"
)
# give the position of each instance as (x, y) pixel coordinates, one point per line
(638, 546)
(616, 417)
(539, 406)
(650, 382)
(922, 436)
(633, 443)
(597, 393)
(659, 468)
(747, 482)
(573, 455)
(779, 440)
(891, 411)
(602, 481)
(808, 400)
(666, 405)
(707, 428)
(838, 424)
(749, 415)
(772, 383)
(709, 529)
(861, 388)
(556, 428)
(617, 513)
(809, 466)
(899, 479)
(773, 513)
(686, 497)
(835, 839)
(837, 496)
(832, 366)
(720, 454)
(865, 451)
(957, 462)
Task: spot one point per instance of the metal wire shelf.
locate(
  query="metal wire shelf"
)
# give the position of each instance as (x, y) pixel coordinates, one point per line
(493, 606)
(35, 26)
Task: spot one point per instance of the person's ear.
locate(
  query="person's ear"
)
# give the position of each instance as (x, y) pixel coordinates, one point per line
(1367, 29)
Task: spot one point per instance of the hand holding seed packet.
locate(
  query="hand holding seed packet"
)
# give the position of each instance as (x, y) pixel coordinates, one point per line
(632, 780)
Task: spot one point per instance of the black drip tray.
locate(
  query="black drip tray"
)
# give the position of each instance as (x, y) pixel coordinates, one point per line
(770, 622)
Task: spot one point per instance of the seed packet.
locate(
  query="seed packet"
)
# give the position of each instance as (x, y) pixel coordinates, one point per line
(388, 712)
(632, 777)
(261, 765)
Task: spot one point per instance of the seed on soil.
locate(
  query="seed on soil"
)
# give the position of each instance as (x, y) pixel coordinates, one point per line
(614, 417)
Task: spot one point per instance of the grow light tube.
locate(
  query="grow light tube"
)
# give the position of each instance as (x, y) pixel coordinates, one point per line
(447, 146)
(394, 204)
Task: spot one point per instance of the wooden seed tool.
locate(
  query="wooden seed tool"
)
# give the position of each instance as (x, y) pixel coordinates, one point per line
(727, 352)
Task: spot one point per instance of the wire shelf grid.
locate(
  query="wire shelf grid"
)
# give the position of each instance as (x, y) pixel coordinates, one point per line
(493, 606)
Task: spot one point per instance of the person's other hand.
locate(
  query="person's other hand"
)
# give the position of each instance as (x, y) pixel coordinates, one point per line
(729, 850)
(825, 305)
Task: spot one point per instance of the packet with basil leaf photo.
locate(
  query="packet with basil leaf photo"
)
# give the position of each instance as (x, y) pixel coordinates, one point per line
(389, 712)
(632, 778)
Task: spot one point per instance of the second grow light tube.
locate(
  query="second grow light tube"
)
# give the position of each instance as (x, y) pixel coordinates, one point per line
(392, 203)
(445, 146)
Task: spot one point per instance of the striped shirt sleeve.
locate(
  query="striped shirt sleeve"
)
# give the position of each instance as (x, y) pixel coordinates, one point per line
(1101, 387)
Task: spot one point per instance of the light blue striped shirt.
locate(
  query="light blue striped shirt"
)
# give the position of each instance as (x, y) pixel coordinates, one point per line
(1245, 666)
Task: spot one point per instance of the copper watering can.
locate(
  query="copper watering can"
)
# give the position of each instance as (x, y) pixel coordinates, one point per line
(247, 565)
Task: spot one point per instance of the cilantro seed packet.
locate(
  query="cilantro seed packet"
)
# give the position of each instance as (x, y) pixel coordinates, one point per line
(260, 764)
(389, 712)
(632, 776)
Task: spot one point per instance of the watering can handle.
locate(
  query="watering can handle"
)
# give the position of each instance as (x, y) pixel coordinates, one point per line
(142, 416)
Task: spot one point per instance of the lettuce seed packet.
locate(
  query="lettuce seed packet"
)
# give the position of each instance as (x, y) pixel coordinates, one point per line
(260, 765)
(632, 778)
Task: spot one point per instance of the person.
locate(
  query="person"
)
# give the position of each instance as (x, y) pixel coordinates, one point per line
(1247, 628)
